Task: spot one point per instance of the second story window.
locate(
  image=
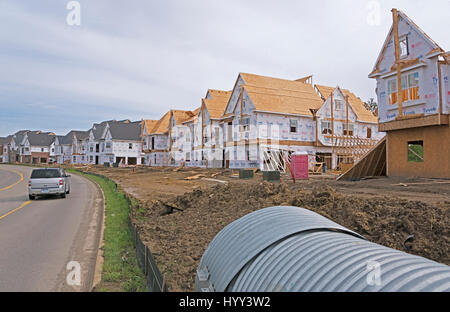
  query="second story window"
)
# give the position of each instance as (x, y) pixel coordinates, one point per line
(130, 146)
(410, 88)
(392, 91)
(326, 127)
(369, 132)
(246, 124)
(350, 129)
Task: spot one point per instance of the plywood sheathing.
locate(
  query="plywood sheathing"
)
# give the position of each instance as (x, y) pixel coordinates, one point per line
(150, 124)
(194, 115)
(356, 104)
(277, 95)
(181, 116)
(216, 93)
(307, 79)
(217, 104)
(436, 153)
(162, 126)
(373, 163)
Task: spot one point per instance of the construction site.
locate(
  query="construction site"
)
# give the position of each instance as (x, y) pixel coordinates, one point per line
(393, 188)
(180, 210)
(229, 147)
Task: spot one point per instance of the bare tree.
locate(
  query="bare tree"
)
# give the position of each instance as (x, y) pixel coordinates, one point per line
(371, 105)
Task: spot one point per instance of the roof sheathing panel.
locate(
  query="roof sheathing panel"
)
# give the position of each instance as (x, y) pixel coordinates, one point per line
(356, 104)
(280, 96)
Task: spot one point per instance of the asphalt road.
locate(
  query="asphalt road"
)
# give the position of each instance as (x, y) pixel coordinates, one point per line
(39, 238)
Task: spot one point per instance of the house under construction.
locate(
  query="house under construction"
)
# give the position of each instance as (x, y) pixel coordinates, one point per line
(261, 122)
(413, 92)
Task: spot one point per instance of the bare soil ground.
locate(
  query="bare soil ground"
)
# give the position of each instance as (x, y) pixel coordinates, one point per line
(384, 210)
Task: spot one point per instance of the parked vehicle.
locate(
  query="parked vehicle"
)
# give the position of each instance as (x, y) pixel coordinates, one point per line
(48, 181)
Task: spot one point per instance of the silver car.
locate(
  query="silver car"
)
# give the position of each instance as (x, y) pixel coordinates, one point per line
(48, 181)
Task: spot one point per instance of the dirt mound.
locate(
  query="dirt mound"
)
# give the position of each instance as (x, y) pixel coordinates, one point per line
(178, 229)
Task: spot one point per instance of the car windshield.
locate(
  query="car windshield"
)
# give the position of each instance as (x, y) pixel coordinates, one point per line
(45, 174)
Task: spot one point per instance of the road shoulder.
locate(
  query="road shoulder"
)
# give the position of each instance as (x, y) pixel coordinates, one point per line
(89, 253)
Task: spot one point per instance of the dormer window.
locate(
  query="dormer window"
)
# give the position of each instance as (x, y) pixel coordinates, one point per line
(404, 49)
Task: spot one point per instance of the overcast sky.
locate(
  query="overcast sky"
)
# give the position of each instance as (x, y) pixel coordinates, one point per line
(137, 59)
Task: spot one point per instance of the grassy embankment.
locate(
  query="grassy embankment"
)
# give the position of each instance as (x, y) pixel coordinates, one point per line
(120, 268)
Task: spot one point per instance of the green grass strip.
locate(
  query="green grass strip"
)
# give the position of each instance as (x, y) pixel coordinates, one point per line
(120, 269)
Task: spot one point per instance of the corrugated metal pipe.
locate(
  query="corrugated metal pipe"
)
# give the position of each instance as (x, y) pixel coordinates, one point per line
(294, 249)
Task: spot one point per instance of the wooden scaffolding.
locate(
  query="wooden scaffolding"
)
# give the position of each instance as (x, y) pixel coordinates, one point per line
(347, 150)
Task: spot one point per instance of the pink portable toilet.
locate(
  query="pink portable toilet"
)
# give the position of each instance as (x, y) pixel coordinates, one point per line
(299, 165)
